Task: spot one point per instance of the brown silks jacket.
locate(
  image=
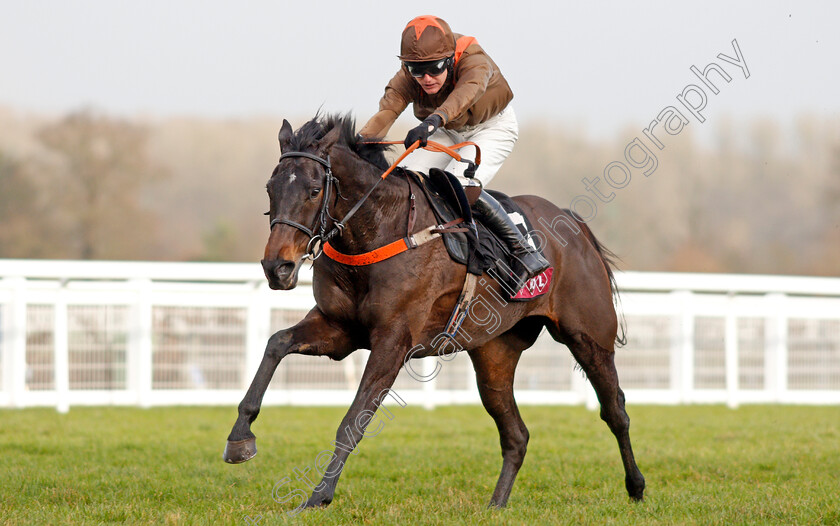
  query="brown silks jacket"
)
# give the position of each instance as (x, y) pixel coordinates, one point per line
(478, 93)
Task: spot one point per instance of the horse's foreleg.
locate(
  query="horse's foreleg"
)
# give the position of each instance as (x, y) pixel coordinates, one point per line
(312, 336)
(381, 370)
(494, 364)
(599, 365)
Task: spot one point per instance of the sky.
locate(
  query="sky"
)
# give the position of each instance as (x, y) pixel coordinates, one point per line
(600, 66)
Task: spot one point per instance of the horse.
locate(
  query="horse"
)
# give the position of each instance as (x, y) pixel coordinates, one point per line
(397, 307)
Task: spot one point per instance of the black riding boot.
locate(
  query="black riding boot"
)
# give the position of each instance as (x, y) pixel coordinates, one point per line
(496, 219)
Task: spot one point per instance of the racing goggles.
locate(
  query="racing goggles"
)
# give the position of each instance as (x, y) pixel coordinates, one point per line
(432, 68)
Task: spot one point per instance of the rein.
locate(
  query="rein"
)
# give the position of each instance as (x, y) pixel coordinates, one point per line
(319, 243)
(433, 146)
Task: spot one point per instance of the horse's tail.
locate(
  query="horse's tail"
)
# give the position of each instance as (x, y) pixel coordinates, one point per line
(608, 260)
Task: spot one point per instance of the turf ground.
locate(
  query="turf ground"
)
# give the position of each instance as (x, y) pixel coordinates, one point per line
(703, 465)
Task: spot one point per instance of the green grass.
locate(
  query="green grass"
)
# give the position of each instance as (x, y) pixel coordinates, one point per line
(703, 465)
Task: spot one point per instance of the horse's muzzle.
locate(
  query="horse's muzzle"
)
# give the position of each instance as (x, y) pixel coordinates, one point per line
(281, 274)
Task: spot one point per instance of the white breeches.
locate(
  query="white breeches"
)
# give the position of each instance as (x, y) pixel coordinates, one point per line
(494, 137)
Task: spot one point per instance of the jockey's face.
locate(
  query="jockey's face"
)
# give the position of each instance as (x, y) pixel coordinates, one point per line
(430, 84)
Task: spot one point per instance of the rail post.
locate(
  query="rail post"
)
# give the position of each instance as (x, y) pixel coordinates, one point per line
(776, 347)
(140, 342)
(257, 331)
(682, 346)
(15, 366)
(61, 349)
(731, 353)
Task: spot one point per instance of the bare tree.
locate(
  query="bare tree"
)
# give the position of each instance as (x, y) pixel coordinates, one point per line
(18, 198)
(98, 170)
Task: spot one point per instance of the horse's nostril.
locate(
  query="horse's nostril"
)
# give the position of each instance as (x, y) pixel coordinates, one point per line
(275, 269)
(284, 270)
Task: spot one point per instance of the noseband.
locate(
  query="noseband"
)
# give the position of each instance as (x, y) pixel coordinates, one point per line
(313, 248)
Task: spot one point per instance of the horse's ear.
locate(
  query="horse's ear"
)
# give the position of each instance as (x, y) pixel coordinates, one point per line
(328, 141)
(285, 136)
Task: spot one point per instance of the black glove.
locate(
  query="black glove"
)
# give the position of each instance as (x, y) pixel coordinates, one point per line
(422, 132)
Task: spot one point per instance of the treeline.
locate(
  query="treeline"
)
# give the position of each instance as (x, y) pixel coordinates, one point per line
(752, 197)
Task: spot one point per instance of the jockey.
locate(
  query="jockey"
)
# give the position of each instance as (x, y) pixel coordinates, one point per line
(460, 95)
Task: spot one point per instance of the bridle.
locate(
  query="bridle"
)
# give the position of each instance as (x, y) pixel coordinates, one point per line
(313, 247)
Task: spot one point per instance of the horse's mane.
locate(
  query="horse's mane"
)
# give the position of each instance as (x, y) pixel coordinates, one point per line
(314, 130)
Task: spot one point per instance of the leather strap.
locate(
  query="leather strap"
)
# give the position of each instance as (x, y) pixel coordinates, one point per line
(325, 162)
(459, 313)
(277, 221)
(449, 227)
(412, 207)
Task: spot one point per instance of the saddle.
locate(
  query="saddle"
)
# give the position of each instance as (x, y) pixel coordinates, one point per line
(449, 202)
(478, 248)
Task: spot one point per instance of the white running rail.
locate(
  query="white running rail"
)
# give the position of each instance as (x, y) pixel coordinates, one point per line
(142, 333)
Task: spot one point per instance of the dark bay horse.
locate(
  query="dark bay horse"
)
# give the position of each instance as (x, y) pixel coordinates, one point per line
(398, 306)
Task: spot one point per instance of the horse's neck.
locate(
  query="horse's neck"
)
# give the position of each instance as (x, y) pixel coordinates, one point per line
(382, 218)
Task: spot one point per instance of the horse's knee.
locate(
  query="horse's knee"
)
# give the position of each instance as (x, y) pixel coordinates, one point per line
(277, 346)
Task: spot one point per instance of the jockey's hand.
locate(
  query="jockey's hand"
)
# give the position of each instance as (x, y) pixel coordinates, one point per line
(422, 132)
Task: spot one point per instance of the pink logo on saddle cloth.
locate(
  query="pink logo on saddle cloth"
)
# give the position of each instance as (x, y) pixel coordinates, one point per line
(536, 286)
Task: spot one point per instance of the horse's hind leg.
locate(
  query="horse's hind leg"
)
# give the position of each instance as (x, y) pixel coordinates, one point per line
(599, 365)
(494, 364)
(313, 335)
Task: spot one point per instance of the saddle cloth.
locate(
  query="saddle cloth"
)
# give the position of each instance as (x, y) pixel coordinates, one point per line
(480, 249)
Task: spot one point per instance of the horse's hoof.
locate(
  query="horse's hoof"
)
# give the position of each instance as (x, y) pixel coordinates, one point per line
(317, 502)
(240, 451)
(636, 487)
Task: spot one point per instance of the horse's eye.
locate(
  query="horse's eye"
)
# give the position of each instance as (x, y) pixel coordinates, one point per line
(315, 192)
(266, 213)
